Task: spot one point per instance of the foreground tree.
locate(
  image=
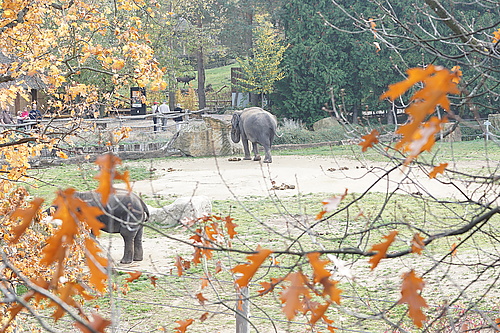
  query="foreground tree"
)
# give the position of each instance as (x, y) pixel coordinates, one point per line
(403, 258)
(59, 43)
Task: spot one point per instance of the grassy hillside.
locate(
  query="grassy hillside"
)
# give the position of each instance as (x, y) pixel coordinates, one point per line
(217, 77)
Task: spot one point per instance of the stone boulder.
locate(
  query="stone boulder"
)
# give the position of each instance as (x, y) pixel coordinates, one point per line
(182, 209)
(454, 136)
(209, 136)
(494, 119)
(325, 123)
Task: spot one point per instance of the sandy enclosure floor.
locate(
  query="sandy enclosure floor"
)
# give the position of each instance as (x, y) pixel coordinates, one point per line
(220, 179)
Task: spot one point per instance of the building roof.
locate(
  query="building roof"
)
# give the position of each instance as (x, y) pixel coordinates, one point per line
(26, 81)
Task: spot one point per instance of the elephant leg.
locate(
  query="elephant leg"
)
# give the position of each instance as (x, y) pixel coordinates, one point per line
(268, 158)
(138, 253)
(256, 156)
(246, 150)
(128, 250)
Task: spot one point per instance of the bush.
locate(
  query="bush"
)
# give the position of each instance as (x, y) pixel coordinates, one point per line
(295, 132)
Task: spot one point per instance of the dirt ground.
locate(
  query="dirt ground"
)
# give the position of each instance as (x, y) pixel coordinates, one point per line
(220, 178)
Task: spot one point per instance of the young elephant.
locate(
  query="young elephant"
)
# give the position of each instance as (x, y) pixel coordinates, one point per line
(257, 126)
(125, 213)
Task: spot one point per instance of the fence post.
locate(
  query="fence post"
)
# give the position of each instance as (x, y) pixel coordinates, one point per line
(242, 311)
(487, 123)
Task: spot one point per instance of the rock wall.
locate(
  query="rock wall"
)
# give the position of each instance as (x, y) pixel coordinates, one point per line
(494, 119)
(454, 136)
(209, 136)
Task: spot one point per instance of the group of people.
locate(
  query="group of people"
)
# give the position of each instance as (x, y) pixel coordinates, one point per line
(23, 116)
(160, 112)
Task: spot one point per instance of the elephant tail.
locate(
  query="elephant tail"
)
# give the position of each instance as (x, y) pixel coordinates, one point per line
(146, 211)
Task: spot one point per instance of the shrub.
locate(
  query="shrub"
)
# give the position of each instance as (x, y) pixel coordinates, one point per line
(295, 132)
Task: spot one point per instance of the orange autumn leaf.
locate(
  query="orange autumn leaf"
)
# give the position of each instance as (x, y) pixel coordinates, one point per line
(330, 204)
(438, 169)
(417, 139)
(453, 249)
(97, 264)
(133, 276)
(456, 69)
(14, 310)
(318, 312)
(179, 265)
(381, 249)
(320, 272)
(496, 36)
(197, 236)
(125, 289)
(292, 295)
(66, 294)
(230, 227)
(320, 215)
(96, 322)
(417, 244)
(369, 140)
(330, 289)
(183, 324)
(267, 287)
(438, 82)
(218, 267)
(211, 231)
(201, 298)
(410, 294)
(107, 173)
(204, 317)
(204, 282)
(415, 75)
(249, 269)
(27, 215)
(329, 324)
(196, 256)
(153, 280)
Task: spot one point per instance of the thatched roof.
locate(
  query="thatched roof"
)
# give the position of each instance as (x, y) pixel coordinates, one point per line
(29, 82)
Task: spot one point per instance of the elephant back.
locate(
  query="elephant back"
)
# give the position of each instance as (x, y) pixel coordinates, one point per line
(123, 210)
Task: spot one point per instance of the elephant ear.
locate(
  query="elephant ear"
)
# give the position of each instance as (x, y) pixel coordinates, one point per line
(235, 128)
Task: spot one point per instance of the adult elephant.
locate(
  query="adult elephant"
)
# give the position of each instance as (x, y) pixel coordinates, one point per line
(125, 213)
(257, 126)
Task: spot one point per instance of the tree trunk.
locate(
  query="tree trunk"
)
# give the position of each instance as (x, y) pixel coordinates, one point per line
(355, 114)
(171, 99)
(202, 100)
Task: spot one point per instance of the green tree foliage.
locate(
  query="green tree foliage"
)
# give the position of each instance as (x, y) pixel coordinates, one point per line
(261, 71)
(321, 58)
(239, 19)
(356, 48)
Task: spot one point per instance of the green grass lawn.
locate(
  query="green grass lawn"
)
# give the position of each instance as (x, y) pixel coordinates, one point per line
(217, 77)
(283, 224)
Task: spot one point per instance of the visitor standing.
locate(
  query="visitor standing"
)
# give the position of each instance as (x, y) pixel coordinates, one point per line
(164, 110)
(35, 115)
(178, 119)
(156, 116)
(22, 116)
(6, 118)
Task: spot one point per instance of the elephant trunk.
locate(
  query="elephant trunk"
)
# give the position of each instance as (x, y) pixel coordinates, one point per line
(235, 128)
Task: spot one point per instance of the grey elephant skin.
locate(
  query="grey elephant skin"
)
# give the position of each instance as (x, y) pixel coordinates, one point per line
(125, 213)
(257, 126)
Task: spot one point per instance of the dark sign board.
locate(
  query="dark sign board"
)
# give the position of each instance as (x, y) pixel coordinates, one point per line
(137, 101)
